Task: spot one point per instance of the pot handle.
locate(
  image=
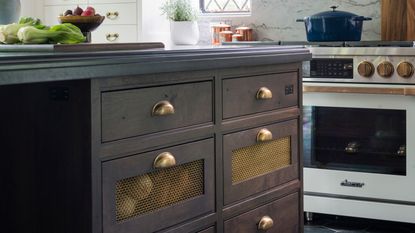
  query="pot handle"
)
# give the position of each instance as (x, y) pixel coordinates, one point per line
(300, 20)
(362, 18)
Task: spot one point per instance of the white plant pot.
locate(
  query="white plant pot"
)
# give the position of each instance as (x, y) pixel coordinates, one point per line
(184, 32)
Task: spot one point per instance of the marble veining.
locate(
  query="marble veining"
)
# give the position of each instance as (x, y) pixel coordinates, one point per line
(276, 19)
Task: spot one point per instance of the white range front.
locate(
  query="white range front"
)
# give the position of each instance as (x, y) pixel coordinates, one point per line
(381, 105)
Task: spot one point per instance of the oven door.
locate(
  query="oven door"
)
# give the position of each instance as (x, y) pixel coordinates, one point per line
(359, 141)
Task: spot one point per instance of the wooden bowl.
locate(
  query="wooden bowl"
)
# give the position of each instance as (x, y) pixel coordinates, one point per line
(85, 23)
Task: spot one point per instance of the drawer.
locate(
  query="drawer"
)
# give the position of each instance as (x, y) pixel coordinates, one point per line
(115, 34)
(244, 96)
(171, 185)
(259, 159)
(71, 3)
(148, 110)
(281, 216)
(118, 13)
(209, 230)
(51, 13)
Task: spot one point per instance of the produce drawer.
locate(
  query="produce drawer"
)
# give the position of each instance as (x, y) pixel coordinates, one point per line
(281, 216)
(259, 159)
(147, 110)
(244, 96)
(170, 186)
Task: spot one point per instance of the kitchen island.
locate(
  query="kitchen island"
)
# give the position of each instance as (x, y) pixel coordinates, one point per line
(190, 140)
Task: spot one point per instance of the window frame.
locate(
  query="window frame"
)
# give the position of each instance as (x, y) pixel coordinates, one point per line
(223, 13)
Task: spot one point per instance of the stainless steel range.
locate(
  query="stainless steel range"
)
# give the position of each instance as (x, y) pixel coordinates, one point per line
(359, 130)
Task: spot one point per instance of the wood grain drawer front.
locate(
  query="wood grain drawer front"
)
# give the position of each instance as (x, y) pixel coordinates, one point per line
(244, 96)
(136, 112)
(209, 230)
(158, 189)
(125, 13)
(259, 159)
(115, 34)
(281, 216)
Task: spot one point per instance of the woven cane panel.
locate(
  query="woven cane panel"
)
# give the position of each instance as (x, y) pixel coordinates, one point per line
(260, 159)
(149, 192)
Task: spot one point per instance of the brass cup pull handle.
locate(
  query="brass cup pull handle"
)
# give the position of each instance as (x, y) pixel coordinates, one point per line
(164, 160)
(112, 36)
(162, 108)
(265, 223)
(264, 94)
(264, 135)
(112, 15)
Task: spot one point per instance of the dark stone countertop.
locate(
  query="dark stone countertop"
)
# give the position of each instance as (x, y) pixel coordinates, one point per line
(32, 67)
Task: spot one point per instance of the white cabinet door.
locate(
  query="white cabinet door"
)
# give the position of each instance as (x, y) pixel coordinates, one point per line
(111, 1)
(125, 13)
(65, 2)
(115, 34)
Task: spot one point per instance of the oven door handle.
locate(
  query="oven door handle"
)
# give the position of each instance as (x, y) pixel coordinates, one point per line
(406, 91)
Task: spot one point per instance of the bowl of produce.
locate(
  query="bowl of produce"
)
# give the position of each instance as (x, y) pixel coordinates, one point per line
(30, 30)
(87, 20)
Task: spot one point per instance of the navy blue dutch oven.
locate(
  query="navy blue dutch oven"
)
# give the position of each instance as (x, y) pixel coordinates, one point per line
(334, 26)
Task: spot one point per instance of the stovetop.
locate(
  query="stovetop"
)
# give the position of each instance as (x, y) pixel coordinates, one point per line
(331, 43)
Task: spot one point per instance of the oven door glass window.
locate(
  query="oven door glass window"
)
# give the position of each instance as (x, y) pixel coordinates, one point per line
(355, 139)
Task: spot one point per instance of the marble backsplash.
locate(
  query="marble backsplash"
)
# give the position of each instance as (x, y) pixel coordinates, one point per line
(276, 19)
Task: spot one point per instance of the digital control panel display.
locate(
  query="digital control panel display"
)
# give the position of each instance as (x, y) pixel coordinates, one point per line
(331, 68)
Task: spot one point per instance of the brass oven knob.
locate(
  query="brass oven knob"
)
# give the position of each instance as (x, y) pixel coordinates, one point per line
(405, 69)
(366, 69)
(385, 69)
(265, 223)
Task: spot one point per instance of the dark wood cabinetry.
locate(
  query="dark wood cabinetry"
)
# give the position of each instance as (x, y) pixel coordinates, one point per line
(185, 152)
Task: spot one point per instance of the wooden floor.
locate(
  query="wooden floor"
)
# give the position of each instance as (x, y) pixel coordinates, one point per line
(333, 224)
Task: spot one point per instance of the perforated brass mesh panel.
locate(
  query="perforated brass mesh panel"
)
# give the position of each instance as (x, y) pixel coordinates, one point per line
(260, 159)
(152, 191)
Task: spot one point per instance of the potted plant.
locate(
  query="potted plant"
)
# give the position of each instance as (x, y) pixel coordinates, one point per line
(183, 25)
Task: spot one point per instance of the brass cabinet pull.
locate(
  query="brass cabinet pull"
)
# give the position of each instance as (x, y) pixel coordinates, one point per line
(162, 108)
(113, 15)
(264, 94)
(264, 135)
(112, 36)
(360, 90)
(164, 160)
(265, 223)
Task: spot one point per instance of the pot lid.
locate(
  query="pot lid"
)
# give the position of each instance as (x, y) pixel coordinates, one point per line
(333, 13)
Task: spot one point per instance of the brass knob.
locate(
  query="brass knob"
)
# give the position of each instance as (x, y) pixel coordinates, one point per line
(265, 223)
(112, 36)
(366, 69)
(264, 93)
(385, 69)
(112, 15)
(264, 135)
(164, 160)
(405, 69)
(162, 108)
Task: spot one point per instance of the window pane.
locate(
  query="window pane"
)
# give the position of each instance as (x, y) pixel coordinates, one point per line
(226, 6)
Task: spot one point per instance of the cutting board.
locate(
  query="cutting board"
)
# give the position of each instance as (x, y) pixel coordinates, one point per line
(85, 47)
(398, 20)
